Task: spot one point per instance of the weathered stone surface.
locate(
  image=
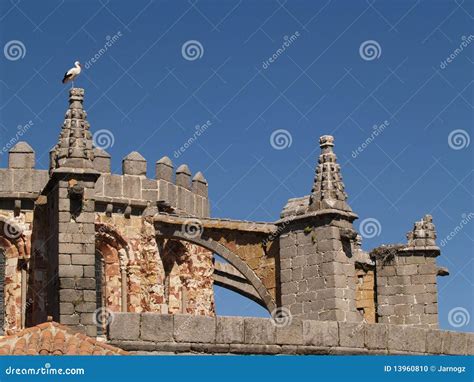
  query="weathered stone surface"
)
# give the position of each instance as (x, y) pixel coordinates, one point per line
(259, 331)
(406, 338)
(289, 333)
(376, 336)
(156, 327)
(229, 330)
(189, 328)
(125, 326)
(320, 333)
(351, 335)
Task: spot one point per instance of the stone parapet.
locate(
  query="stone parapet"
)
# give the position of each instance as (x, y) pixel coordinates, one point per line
(149, 333)
(138, 190)
(14, 181)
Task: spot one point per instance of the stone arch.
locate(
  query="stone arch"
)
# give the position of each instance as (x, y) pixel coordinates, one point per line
(227, 255)
(112, 256)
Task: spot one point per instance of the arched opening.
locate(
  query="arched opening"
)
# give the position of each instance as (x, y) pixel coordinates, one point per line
(229, 301)
(240, 265)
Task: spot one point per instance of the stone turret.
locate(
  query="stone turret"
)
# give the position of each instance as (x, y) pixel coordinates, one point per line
(21, 156)
(316, 247)
(406, 278)
(74, 148)
(70, 232)
(183, 176)
(134, 164)
(328, 189)
(164, 169)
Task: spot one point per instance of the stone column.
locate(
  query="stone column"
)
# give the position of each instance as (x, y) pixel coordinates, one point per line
(76, 251)
(406, 279)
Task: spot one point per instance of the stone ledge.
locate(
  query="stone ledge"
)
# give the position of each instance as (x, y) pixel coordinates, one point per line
(151, 332)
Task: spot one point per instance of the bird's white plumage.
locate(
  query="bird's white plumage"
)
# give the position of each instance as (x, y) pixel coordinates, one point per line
(72, 73)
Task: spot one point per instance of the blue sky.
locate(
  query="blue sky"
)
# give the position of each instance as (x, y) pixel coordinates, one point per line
(150, 97)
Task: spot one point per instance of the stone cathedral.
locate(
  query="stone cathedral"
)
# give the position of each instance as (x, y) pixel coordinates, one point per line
(93, 262)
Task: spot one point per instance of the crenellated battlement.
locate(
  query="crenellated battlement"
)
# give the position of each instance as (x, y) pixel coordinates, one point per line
(177, 189)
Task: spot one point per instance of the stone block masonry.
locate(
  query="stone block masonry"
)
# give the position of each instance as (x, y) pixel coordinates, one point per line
(406, 279)
(78, 239)
(149, 333)
(316, 261)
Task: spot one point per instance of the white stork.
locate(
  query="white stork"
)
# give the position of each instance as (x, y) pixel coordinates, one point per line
(72, 73)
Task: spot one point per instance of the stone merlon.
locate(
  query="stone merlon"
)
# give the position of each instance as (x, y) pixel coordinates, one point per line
(21, 156)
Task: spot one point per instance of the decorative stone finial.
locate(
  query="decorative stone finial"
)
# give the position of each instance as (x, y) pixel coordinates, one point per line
(328, 189)
(423, 233)
(74, 148)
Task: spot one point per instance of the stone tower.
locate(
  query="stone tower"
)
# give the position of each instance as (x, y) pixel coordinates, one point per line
(406, 278)
(70, 238)
(316, 261)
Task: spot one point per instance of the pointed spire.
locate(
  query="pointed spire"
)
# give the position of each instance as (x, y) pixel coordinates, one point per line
(74, 148)
(328, 189)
